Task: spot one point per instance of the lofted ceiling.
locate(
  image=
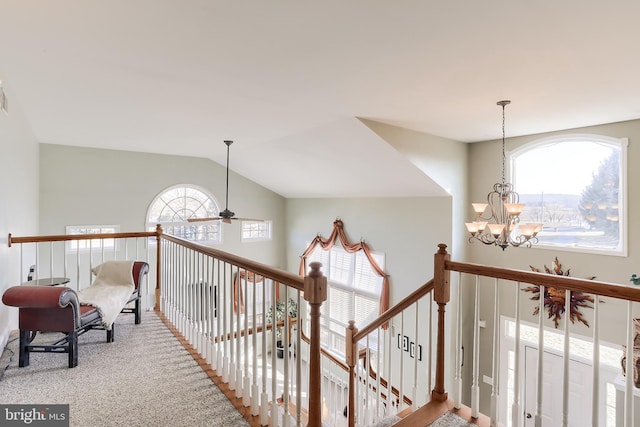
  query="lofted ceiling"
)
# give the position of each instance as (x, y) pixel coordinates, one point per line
(288, 80)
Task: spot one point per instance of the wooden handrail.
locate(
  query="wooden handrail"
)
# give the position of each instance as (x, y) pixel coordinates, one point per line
(383, 382)
(395, 310)
(67, 237)
(276, 274)
(325, 353)
(604, 289)
(280, 276)
(258, 329)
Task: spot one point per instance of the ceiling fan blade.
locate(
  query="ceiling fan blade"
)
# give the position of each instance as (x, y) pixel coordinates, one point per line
(204, 219)
(250, 219)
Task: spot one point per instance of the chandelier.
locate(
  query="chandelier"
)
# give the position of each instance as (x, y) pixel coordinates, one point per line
(502, 225)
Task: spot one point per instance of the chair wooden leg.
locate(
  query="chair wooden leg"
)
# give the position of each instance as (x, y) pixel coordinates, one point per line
(110, 333)
(138, 314)
(73, 349)
(23, 359)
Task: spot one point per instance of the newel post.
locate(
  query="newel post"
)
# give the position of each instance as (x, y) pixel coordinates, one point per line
(315, 293)
(441, 295)
(158, 265)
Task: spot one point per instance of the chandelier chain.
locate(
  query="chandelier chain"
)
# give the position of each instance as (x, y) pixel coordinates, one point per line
(504, 156)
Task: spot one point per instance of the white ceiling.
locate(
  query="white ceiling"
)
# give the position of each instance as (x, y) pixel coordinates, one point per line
(287, 80)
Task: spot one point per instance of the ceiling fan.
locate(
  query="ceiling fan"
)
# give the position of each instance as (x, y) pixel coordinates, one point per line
(226, 215)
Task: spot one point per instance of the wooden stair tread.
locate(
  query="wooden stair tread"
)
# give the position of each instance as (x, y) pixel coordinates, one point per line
(433, 410)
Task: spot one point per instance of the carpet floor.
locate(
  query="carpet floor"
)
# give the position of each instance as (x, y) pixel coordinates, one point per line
(144, 378)
(451, 420)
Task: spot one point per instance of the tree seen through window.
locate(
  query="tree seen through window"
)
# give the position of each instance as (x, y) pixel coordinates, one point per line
(574, 186)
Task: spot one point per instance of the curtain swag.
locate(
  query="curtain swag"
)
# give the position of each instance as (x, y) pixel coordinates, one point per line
(326, 244)
(251, 279)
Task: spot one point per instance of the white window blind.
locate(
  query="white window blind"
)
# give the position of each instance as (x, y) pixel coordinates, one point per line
(353, 293)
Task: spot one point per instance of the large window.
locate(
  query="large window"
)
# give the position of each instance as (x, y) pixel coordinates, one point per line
(256, 231)
(354, 290)
(175, 205)
(93, 243)
(576, 187)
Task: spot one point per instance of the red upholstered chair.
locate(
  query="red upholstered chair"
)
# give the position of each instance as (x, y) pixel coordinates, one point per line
(57, 309)
(140, 269)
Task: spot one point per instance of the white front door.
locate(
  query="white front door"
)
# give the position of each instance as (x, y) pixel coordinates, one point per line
(580, 386)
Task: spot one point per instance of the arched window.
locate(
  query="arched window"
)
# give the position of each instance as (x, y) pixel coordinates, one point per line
(173, 206)
(575, 185)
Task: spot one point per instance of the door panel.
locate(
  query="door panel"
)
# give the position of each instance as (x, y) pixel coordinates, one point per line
(580, 385)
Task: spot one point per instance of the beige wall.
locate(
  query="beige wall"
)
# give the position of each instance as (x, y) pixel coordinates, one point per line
(444, 161)
(615, 269)
(84, 186)
(18, 201)
(407, 230)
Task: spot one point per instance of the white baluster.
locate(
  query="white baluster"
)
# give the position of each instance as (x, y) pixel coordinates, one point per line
(285, 344)
(475, 387)
(379, 410)
(538, 418)
(629, 386)
(565, 360)
(390, 403)
(595, 397)
(264, 396)
(401, 375)
(430, 349)
(246, 384)
(226, 343)
(457, 380)
(255, 389)
(414, 391)
(238, 339)
(298, 359)
(274, 370)
(515, 408)
(495, 376)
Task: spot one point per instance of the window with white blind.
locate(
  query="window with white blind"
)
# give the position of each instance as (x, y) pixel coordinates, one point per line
(354, 290)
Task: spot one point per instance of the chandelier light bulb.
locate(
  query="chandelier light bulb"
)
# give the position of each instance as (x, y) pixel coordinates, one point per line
(479, 208)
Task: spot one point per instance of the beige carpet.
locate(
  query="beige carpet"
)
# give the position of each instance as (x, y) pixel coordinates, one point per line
(451, 420)
(144, 378)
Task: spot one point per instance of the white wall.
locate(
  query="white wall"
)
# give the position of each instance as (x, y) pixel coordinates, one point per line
(84, 186)
(18, 200)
